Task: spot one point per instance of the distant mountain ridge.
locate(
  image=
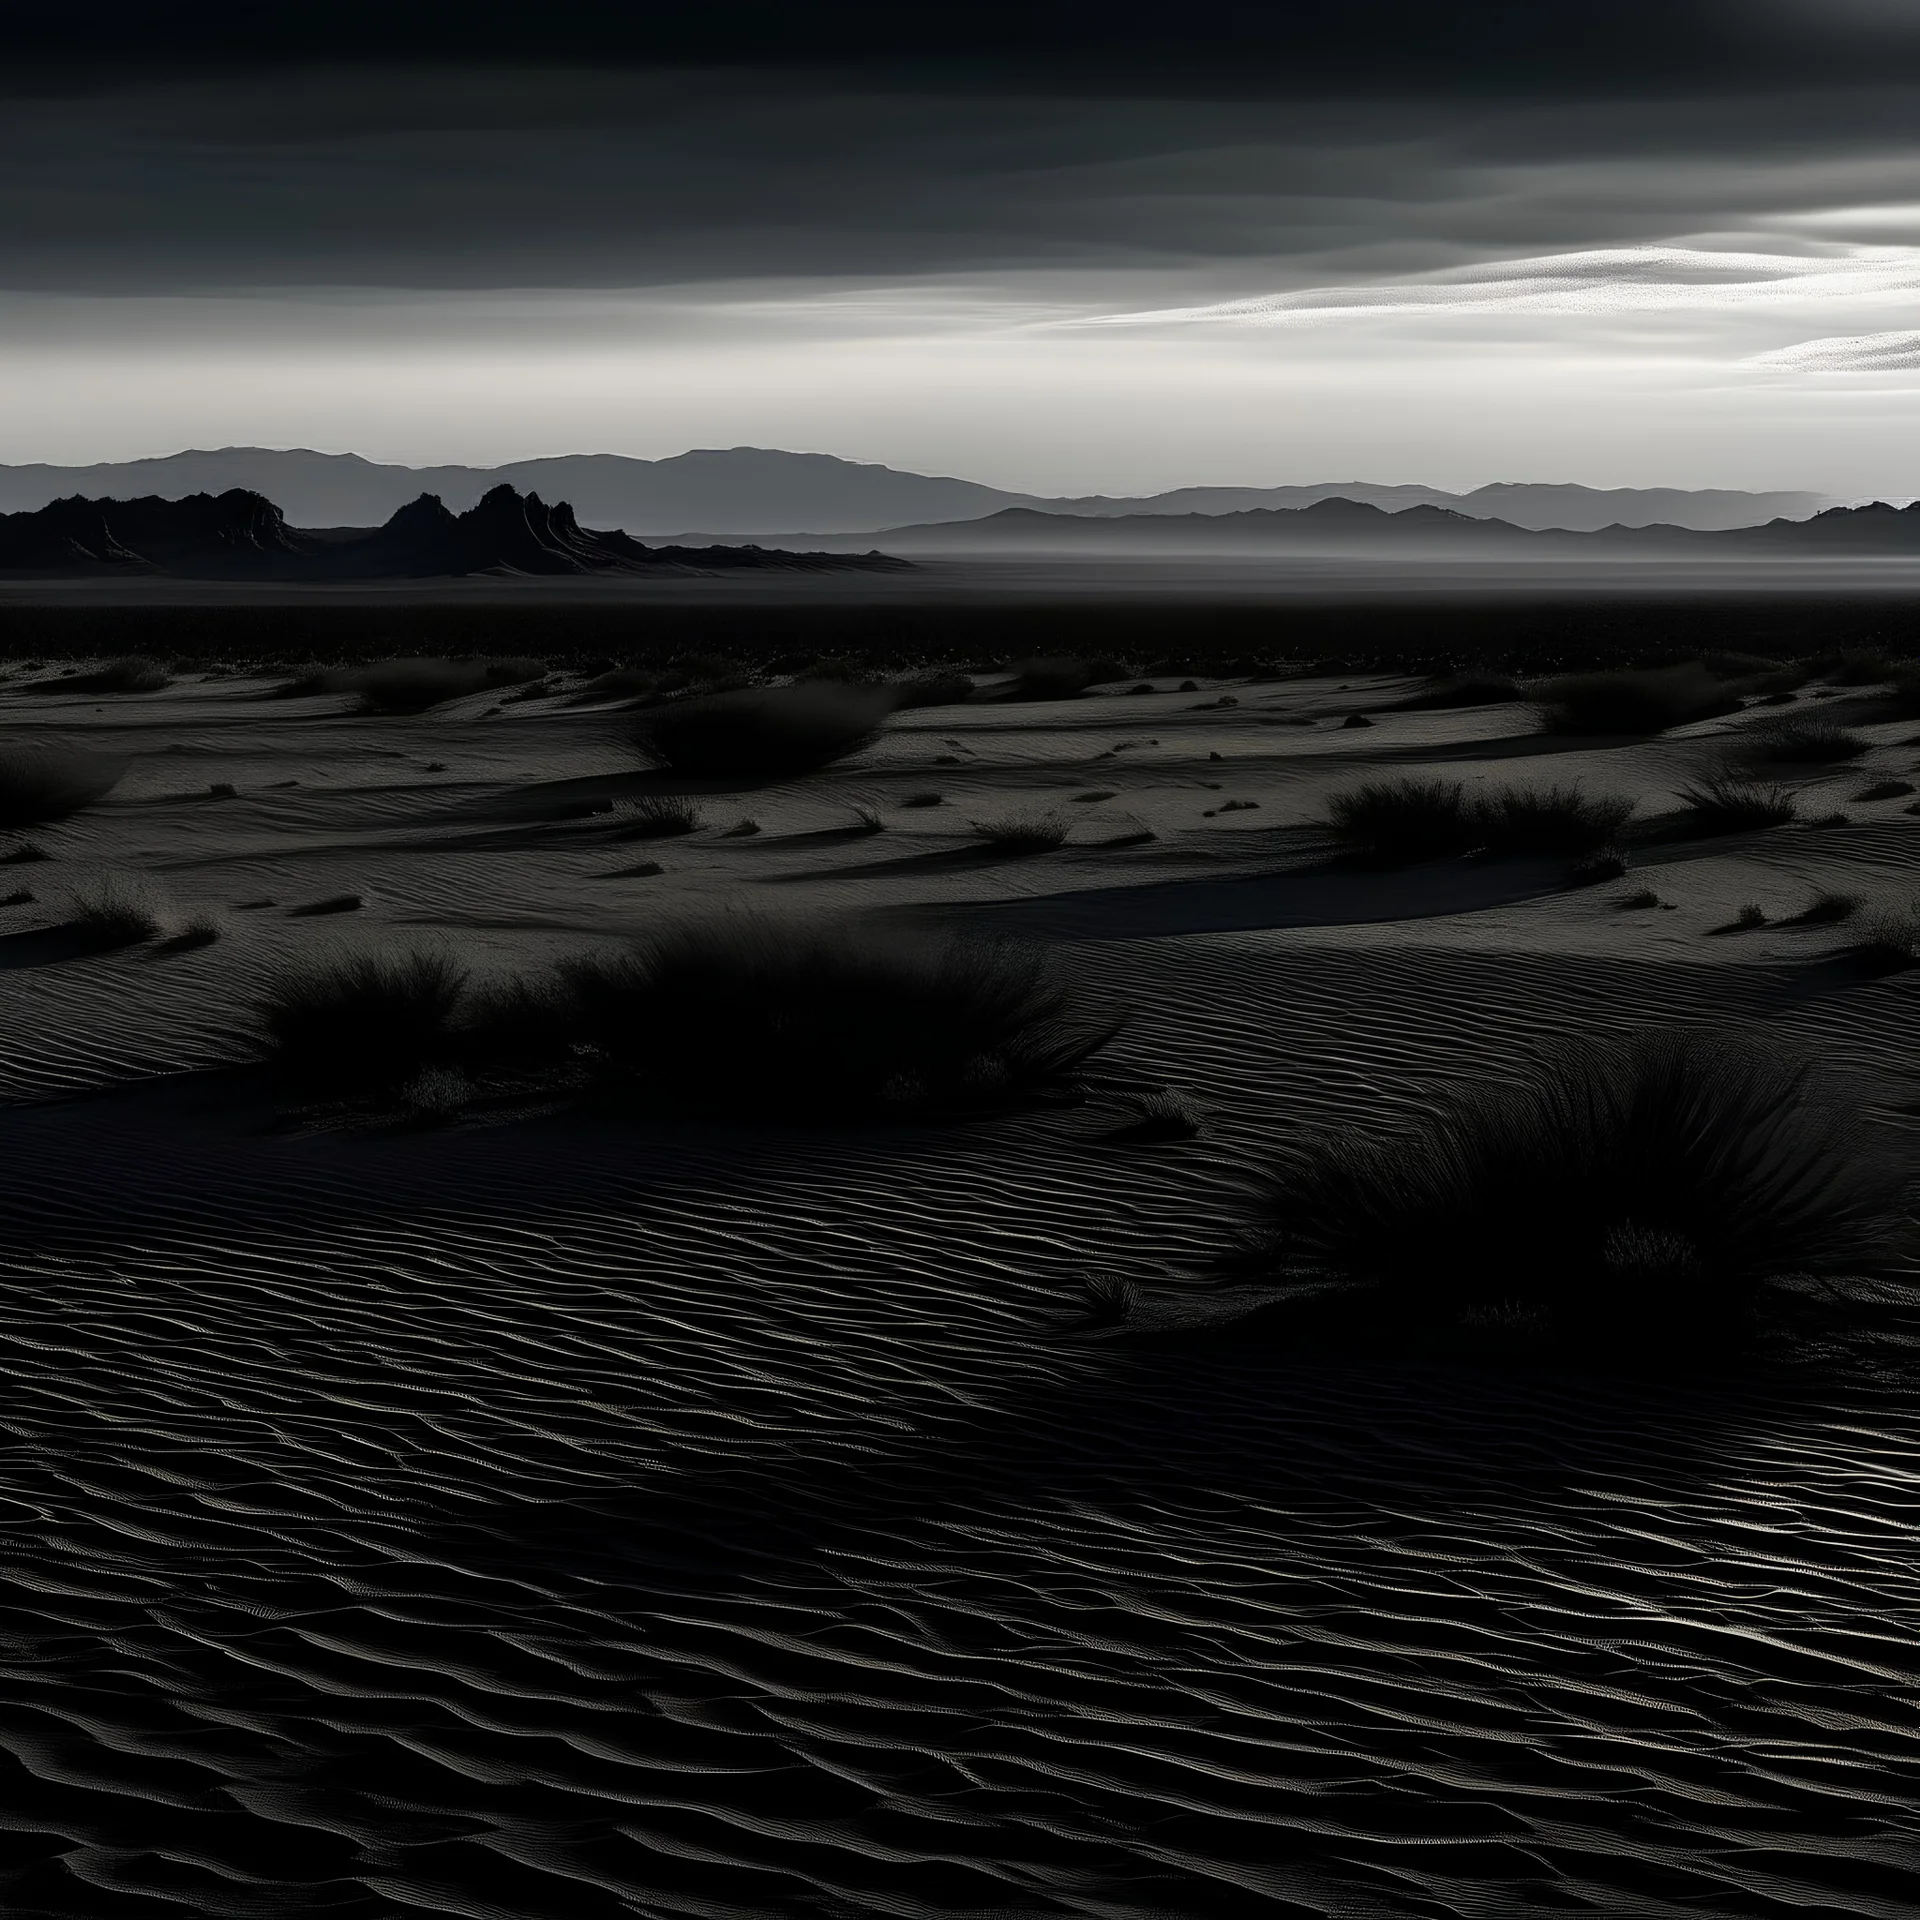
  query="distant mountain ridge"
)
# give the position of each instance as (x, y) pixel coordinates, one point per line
(740, 491)
(241, 535)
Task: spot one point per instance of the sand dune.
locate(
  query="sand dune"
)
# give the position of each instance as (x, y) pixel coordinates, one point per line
(566, 1519)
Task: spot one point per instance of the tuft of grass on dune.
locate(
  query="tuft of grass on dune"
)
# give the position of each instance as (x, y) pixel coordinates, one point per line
(740, 1017)
(1803, 740)
(764, 732)
(132, 673)
(112, 912)
(1640, 701)
(1637, 1193)
(39, 784)
(660, 819)
(1023, 833)
(1723, 803)
(1399, 821)
(360, 1018)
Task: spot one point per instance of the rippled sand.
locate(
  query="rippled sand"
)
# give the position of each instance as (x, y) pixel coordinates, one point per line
(554, 1519)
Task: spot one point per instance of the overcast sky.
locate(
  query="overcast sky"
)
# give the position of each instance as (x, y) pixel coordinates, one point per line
(1061, 248)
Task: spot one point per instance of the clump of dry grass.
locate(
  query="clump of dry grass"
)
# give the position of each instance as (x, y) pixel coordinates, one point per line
(1723, 803)
(1396, 822)
(1023, 833)
(362, 1018)
(1804, 740)
(113, 911)
(823, 1021)
(1649, 1184)
(660, 819)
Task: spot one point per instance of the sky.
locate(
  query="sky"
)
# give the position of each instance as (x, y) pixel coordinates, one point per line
(1060, 248)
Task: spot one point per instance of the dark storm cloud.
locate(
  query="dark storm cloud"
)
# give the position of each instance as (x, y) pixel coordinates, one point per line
(182, 147)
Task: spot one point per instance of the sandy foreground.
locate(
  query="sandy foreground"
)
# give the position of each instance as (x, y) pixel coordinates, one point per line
(555, 1518)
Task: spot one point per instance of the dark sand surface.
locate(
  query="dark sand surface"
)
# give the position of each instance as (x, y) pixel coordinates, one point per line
(562, 1519)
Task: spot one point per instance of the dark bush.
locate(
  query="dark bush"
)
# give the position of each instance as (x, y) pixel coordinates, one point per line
(111, 913)
(742, 1017)
(42, 783)
(1399, 821)
(1827, 908)
(765, 733)
(1805, 740)
(133, 674)
(412, 686)
(1645, 701)
(1722, 804)
(363, 1019)
(1060, 679)
(1639, 1192)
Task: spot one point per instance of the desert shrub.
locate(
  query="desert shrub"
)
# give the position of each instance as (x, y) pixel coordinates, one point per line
(659, 819)
(1749, 917)
(1060, 679)
(113, 912)
(1885, 790)
(42, 783)
(1805, 740)
(412, 686)
(1398, 821)
(1023, 833)
(1642, 701)
(933, 690)
(765, 733)
(740, 1016)
(1720, 803)
(1642, 1190)
(1827, 908)
(367, 1018)
(867, 820)
(1477, 689)
(1544, 820)
(1598, 868)
(1638, 901)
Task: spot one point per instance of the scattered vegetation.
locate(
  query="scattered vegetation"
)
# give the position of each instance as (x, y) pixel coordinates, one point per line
(1395, 822)
(1598, 868)
(1642, 701)
(1638, 901)
(360, 1019)
(818, 1021)
(1749, 917)
(1024, 833)
(766, 732)
(1808, 739)
(43, 783)
(654, 818)
(1635, 1192)
(1722, 803)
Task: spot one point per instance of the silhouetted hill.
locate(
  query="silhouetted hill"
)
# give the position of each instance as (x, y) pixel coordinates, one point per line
(739, 491)
(241, 535)
(1339, 527)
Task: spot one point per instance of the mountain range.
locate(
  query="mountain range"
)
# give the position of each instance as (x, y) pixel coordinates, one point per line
(241, 535)
(736, 491)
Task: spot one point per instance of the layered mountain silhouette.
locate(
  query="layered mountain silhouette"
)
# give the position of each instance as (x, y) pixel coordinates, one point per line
(734, 491)
(240, 534)
(1352, 528)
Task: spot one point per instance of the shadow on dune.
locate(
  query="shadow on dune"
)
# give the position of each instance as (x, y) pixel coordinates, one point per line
(1314, 896)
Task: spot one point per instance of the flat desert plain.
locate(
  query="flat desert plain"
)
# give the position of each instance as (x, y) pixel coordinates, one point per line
(537, 1512)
